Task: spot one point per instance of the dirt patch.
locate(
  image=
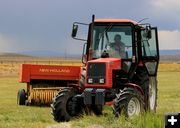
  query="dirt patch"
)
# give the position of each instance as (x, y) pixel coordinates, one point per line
(61, 125)
(68, 125)
(95, 126)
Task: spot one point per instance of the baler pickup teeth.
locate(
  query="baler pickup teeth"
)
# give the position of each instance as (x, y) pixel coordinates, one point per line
(52, 106)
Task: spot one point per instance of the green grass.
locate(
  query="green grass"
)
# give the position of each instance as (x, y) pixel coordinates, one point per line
(109, 121)
(12, 115)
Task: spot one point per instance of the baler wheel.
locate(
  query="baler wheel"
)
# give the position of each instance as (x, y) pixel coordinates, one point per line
(128, 102)
(65, 106)
(21, 97)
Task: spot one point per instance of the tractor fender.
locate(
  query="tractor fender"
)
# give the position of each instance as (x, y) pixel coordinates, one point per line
(135, 86)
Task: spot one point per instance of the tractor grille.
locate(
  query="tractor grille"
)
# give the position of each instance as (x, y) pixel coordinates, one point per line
(96, 71)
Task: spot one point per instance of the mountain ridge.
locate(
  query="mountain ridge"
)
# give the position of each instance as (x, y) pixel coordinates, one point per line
(61, 54)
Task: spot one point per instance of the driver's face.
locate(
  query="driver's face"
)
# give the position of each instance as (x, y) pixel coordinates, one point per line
(117, 39)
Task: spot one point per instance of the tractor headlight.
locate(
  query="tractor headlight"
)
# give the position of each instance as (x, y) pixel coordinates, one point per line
(90, 80)
(101, 81)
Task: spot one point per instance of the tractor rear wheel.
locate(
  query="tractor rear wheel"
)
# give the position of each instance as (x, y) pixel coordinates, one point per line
(128, 102)
(141, 78)
(64, 106)
(21, 97)
(152, 96)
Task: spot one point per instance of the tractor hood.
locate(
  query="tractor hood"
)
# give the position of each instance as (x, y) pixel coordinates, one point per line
(99, 72)
(115, 62)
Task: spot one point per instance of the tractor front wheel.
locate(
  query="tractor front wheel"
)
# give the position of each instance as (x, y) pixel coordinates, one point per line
(65, 106)
(128, 102)
(21, 97)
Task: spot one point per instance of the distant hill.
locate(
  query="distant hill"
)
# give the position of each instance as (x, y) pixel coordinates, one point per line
(165, 55)
(6, 54)
(170, 58)
(60, 54)
(15, 57)
(41, 53)
(50, 54)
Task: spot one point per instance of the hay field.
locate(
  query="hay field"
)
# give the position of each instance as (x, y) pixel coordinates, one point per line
(11, 66)
(12, 115)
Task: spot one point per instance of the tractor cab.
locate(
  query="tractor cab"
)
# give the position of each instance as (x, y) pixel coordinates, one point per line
(113, 40)
(132, 43)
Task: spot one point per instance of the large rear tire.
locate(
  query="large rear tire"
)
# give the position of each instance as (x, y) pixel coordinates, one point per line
(152, 96)
(128, 102)
(64, 106)
(141, 78)
(21, 97)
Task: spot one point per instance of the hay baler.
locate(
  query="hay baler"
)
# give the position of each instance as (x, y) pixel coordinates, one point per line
(44, 81)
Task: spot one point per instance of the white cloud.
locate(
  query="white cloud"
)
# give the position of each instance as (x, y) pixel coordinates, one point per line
(7, 43)
(166, 4)
(169, 39)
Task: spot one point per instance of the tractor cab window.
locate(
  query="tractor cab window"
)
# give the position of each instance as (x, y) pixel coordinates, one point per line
(115, 40)
(149, 46)
(150, 51)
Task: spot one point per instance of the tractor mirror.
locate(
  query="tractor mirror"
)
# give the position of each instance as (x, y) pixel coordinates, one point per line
(84, 56)
(148, 32)
(78, 31)
(74, 30)
(84, 59)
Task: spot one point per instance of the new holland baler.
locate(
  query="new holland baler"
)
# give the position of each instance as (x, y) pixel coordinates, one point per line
(44, 81)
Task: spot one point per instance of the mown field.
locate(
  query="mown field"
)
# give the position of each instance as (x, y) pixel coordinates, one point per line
(12, 115)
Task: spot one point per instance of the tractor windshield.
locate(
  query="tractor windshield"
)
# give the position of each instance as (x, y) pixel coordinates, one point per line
(115, 40)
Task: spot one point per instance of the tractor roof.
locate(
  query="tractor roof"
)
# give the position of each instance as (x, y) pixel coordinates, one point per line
(116, 21)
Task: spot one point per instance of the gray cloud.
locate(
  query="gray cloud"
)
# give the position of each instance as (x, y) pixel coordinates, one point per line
(46, 25)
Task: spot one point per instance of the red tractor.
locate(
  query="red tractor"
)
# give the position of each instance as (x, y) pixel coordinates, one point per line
(121, 59)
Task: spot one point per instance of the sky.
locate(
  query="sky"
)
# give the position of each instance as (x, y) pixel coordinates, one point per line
(45, 25)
